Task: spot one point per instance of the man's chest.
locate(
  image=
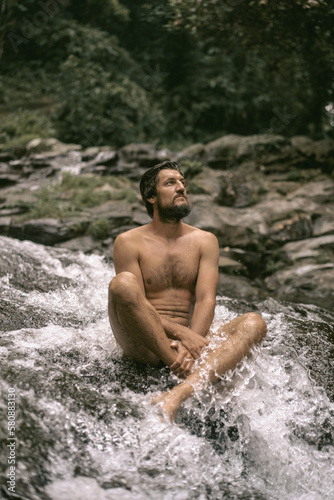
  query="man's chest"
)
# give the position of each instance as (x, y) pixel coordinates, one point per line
(170, 268)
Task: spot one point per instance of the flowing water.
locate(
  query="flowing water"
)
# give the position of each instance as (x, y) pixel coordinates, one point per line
(85, 426)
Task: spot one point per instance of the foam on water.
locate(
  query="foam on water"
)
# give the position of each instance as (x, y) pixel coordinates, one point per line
(85, 424)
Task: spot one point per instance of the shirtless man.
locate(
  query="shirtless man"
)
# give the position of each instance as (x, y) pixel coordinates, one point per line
(162, 299)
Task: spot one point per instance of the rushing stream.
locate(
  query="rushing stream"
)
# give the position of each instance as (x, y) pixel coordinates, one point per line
(85, 426)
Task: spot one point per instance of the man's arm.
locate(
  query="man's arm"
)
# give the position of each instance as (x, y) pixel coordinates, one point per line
(206, 286)
(126, 257)
(193, 338)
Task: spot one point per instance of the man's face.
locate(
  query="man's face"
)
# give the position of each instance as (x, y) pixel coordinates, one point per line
(171, 196)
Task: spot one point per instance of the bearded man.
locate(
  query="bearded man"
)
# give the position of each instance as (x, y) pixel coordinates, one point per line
(162, 299)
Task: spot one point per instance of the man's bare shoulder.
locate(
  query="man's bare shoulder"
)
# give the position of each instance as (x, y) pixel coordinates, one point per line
(203, 237)
(132, 236)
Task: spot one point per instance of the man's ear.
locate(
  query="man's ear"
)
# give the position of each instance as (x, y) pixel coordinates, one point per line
(152, 200)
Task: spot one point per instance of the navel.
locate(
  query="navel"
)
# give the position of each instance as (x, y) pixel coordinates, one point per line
(148, 281)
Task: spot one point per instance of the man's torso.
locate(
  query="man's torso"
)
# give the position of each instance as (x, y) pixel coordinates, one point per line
(169, 271)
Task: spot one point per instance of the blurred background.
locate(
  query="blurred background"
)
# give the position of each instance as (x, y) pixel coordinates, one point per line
(239, 92)
(167, 72)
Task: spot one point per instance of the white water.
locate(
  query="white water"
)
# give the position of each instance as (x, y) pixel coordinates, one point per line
(85, 424)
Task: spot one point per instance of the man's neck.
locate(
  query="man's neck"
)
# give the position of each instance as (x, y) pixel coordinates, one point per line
(170, 230)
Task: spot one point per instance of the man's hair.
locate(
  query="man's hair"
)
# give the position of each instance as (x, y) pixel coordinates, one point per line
(149, 181)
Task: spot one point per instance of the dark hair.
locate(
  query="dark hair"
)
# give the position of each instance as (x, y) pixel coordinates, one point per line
(149, 181)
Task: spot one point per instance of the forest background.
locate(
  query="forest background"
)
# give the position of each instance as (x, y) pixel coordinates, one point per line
(174, 72)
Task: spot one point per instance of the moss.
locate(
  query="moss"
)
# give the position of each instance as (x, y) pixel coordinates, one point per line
(100, 229)
(191, 168)
(75, 194)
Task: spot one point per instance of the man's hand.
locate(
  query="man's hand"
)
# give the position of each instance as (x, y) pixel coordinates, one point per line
(184, 361)
(193, 342)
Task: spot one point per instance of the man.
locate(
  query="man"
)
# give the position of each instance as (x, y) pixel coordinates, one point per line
(162, 299)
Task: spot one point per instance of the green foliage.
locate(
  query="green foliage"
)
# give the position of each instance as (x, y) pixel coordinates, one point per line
(174, 72)
(22, 123)
(100, 229)
(190, 168)
(98, 107)
(75, 194)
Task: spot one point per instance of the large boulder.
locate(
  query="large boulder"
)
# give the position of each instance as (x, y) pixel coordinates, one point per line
(308, 284)
(48, 231)
(232, 226)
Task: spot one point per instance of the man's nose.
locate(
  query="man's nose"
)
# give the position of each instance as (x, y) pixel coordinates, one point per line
(180, 187)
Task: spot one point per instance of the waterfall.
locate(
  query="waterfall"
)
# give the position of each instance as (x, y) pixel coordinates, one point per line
(85, 427)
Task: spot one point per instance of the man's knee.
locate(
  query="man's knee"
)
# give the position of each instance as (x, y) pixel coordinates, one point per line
(256, 326)
(123, 286)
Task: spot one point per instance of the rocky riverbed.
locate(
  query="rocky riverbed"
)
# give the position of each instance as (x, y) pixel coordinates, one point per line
(268, 199)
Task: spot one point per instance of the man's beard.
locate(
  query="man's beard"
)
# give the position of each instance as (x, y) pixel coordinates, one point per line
(174, 213)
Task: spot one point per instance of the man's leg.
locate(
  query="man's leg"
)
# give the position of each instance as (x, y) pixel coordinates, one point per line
(136, 324)
(243, 332)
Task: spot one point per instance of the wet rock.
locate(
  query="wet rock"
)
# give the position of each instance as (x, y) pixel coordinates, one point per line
(308, 284)
(48, 231)
(85, 244)
(240, 287)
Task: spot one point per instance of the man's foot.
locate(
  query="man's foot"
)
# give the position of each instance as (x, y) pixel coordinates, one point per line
(168, 405)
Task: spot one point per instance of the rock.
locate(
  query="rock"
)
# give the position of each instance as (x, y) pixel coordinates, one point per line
(193, 152)
(234, 192)
(276, 208)
(8, 180)
(84, 244)
(319, 191)
(222, 152)
(324, 221)
(145, 155)
(308, 284)
(295, 228)
(5, 223)
(233, 227)
(268, 199)
(267, 147)
(140, 216)
(230, 150)
(239, 287)
(118, 213)
(50, 146)
(230, 266)
(48, 231)
(89, 154)
(106, 158)
(252, 262)
(308, 248)
(5, 156)
(208, 180)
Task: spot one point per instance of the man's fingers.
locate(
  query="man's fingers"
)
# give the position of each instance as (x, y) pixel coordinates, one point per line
(183, 369)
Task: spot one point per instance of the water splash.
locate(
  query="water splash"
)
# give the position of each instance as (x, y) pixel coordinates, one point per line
(85, 424)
